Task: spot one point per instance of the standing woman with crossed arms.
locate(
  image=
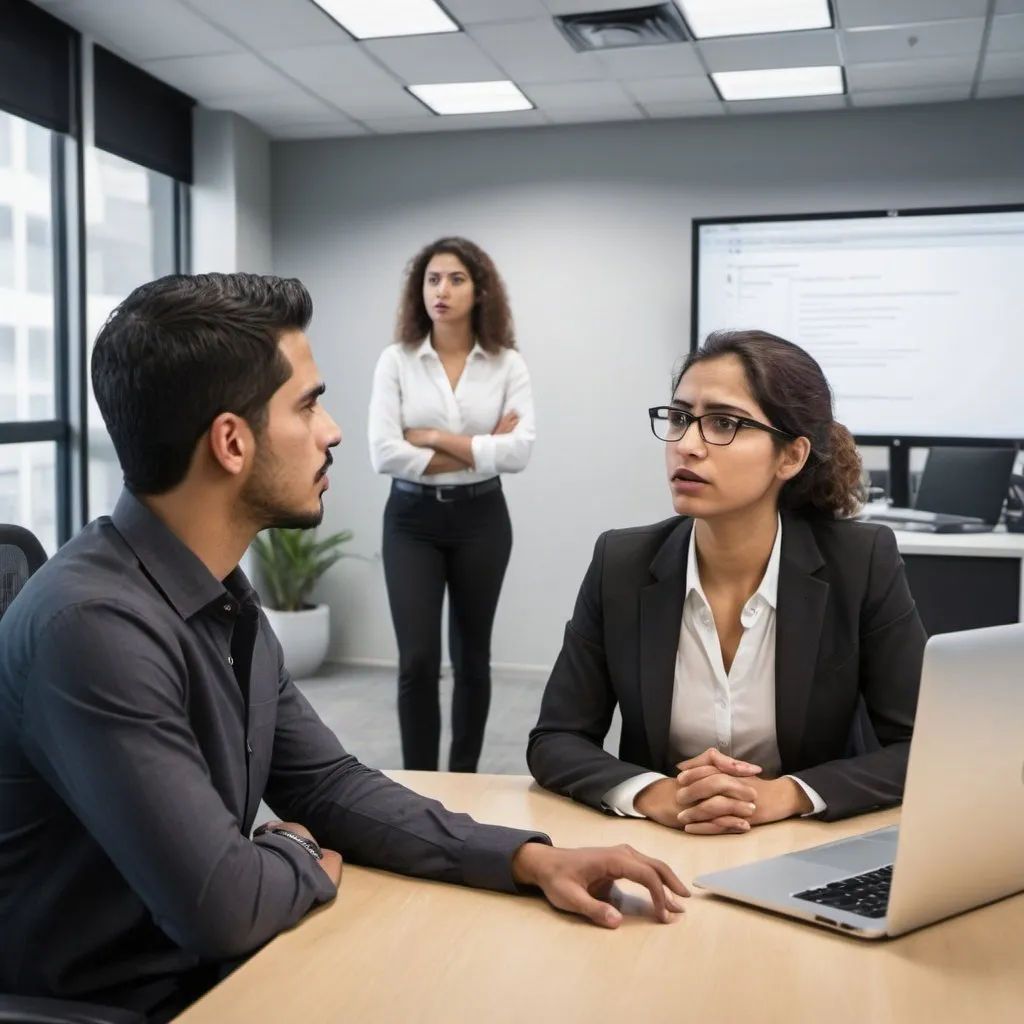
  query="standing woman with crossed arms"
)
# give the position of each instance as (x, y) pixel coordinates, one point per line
(450, 410)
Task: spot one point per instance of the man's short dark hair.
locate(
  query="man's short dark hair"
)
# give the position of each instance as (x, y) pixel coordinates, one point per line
(180, 351)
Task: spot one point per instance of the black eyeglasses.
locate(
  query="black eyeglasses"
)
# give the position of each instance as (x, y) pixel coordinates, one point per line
(670, 423)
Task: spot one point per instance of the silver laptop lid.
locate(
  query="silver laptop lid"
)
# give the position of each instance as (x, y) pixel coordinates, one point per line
(961, 840)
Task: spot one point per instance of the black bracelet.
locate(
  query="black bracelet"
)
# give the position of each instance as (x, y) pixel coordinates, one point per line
(309, 845)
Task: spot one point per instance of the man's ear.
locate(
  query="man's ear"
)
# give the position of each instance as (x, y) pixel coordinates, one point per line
(231, 442)
(794, 457)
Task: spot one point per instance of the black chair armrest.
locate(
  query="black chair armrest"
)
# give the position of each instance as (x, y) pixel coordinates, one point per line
(30, 1010)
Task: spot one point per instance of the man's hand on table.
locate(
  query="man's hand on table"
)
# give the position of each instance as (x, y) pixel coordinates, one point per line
(581, 881)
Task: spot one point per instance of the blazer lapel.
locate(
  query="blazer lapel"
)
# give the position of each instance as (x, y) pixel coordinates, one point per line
(801, 610)
(661, 618)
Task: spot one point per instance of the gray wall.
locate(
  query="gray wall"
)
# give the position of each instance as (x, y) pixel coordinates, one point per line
(231, 197)
(591, 229)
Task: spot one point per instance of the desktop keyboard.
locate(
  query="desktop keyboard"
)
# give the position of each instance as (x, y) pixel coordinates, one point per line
(866, 894)
(902, 515)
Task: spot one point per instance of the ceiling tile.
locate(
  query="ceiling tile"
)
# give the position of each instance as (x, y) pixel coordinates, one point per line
(914, 42)
(166, 29)
(456, 122)
(296, 105)
(592, 6)
(208, 78)
(787, 105)
(672, 90)
(898, 97)
(438, 58)
(1007, 33)
(277, 23)
(477, 12)
(1003, 65)
(1001, 87)
(652, 61)
(563, 97)
(783, 50)
(337, 128)
(1009, 6)
(674, 108)
(593, 115)
(380, 102)
(911, 74)
(333, 72)
(535, 51)
(860, 13)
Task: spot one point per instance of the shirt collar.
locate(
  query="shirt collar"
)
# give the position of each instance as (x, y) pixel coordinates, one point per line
(178, 572)
(769, 587)
(426, 350)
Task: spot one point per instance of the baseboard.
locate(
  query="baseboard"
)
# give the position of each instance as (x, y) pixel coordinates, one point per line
(364, 662)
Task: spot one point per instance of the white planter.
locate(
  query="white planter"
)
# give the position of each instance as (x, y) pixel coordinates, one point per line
(304, 636)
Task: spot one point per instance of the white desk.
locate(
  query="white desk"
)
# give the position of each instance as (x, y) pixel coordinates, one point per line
(998, 544)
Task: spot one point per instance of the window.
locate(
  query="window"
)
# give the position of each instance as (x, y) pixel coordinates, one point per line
(6, 246)
(8, 375)
(5, 139)
(42, 400)
(8, 353)
(131, 239)
(37, 152)
(134, 230)
(40, 407)
(28, 468)
(27, 300)
(40, 355)
(40, 255)
(28, 489)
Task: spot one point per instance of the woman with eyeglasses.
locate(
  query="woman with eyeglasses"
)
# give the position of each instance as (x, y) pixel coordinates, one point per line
(762, 647)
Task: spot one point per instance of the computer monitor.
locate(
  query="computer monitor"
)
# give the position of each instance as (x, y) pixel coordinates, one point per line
(966, 482)
(914, 315)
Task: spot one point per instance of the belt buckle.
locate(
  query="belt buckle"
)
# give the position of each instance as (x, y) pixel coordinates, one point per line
(440, 491)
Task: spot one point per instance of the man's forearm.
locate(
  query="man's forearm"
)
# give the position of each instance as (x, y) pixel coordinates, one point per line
(373, 821)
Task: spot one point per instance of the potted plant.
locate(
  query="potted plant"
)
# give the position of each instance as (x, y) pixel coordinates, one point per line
(291, 563)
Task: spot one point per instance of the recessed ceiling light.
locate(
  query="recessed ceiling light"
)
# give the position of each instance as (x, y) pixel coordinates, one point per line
(377, 19)
(471, 97)
(709, 18)
(779, 83)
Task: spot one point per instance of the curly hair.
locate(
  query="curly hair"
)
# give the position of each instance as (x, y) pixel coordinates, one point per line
(492, 317)
(789, 385)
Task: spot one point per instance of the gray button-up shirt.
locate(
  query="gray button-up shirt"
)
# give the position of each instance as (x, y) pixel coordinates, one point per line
(144, 712)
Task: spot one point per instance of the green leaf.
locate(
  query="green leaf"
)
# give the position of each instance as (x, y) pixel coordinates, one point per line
(291, 563)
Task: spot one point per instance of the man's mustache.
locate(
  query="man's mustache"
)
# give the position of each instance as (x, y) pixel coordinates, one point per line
(326, 466)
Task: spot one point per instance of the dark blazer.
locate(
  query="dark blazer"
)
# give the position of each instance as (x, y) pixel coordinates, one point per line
(846, 628)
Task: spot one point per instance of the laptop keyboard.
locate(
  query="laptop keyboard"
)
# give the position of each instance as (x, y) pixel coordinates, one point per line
(866, 894)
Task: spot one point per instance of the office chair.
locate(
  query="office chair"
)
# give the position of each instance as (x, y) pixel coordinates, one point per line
(20, 556)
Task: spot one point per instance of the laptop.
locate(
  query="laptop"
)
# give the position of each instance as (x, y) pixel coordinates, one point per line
(960, 843)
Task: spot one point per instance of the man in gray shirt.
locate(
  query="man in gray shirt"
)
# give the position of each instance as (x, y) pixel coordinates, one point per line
(145, 709)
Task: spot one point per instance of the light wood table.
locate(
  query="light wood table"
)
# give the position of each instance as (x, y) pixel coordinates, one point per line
(393, 949)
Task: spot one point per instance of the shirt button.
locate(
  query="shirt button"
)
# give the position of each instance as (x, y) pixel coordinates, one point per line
(231, 660)
(227, 608)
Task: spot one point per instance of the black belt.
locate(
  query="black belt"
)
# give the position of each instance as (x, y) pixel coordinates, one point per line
(449, 492)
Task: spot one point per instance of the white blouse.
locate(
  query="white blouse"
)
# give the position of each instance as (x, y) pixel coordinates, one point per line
(411, 390)
(732, 711)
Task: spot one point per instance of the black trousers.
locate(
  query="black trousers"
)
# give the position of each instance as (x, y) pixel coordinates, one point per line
(430, 545)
